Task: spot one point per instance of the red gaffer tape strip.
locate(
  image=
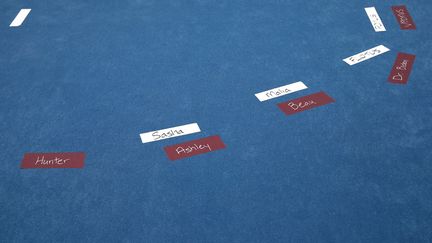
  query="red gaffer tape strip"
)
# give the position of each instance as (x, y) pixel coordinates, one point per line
(401, 68)
(194, 147)
(403, 17)
(305, 103)
(53, 160)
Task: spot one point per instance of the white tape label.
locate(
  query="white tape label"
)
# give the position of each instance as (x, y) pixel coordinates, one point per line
(169, 133)
(375, 19)
(280, 91)
(363, 56)
(21, 16)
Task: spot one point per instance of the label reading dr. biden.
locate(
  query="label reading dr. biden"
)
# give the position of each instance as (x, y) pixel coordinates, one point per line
(53, 160)
(401, 68)
(305, 103)
(194, 147)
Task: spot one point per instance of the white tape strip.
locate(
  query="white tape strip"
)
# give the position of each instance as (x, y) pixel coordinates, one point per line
(21, 16)
(280, 91)
(363, 56)
(169, 133)
(375, 19)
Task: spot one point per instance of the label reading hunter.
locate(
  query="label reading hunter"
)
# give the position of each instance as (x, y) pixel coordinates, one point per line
(53, 160)
(305, 103)
(194, 147)
(401, 68)
(403, 17)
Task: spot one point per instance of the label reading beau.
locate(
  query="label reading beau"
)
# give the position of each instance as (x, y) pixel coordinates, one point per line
(169, 133)
(280, 91)
(194, 147)
(375, 19)
(305, 103)
(401, 68)
(368, 54)
(53, 160)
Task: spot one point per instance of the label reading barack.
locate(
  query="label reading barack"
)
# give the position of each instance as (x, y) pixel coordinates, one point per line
(375, 19)
(365, 55)
(401, 68)
(169, 133)
(305, 103)
(280, 91)
(194, 147)
(403, 17)
(53, 160)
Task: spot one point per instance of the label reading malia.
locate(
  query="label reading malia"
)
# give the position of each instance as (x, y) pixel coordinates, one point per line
(194, 147)
(169, 133)
(53, 160)
(280, 91)
(305, 103)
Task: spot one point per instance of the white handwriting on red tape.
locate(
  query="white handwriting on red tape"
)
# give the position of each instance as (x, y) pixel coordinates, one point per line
(403, 19)
(300, 105)
(190, 149)
(56, 161)
(403, 67)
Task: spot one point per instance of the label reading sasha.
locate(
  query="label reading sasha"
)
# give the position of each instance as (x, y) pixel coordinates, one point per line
(169, 133)
(194, 147)
(305, 103)
(53, 160)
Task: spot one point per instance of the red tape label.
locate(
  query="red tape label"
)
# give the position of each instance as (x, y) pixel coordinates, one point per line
(401, 68)
(53, 160)
(305, 103)
(194, 147)
(403, 17)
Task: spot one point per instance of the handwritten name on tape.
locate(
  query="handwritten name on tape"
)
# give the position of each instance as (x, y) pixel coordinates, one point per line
(401, 68)
(403, 17)
(305, 103)
(194, 147)
(53, 160)
(169, 133)
(280, 91)
(365, 55)
(375, 19)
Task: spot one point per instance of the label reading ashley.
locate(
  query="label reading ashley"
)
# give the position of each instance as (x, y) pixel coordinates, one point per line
(53, 160)
(194, 147)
